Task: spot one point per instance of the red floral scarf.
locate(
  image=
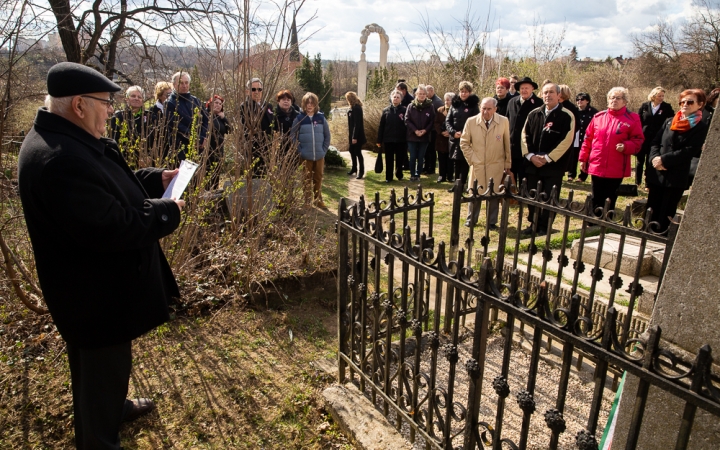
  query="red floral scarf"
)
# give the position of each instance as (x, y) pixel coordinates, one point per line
(683, 124)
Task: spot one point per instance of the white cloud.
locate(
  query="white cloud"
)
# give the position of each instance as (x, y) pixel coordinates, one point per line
(597, 28)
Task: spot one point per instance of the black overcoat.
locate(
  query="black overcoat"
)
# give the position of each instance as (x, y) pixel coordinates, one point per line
(676, 150)
(94, 227)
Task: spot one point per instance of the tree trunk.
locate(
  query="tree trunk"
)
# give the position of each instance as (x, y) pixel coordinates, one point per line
(66, 30)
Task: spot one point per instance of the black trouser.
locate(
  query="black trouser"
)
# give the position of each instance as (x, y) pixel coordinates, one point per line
(358, 162)
(461, 165)
(548, 181)
(640, 163)
(518, 169)
(663, 201)
(604, 188)
(394, 152)
(573, 163)
(429, 166)
(446, 166)
(100, 379)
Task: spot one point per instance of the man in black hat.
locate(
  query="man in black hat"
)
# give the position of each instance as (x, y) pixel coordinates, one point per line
(94, 227)
(517, 111)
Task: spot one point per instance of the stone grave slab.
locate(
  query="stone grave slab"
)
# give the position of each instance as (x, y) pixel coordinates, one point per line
(650, 261)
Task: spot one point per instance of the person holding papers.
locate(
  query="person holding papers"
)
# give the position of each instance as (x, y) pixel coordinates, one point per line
(94, 226)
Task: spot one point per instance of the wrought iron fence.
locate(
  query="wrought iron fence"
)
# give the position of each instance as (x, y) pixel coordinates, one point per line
(402, 340)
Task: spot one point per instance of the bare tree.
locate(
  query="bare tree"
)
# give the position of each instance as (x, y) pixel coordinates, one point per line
(93, 36)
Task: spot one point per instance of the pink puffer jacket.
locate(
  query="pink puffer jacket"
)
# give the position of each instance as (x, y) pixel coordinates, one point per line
(607, 129)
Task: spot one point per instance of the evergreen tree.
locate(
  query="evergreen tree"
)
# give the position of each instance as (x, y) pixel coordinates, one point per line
(311, 79)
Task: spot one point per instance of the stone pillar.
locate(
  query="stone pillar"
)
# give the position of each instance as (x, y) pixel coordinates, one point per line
(687, 310)
(384, 47)
(362, 77)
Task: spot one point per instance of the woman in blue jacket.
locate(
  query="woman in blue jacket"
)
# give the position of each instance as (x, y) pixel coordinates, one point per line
(312, 133)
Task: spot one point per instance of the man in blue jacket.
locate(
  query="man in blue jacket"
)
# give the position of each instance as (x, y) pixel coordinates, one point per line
(180, 110)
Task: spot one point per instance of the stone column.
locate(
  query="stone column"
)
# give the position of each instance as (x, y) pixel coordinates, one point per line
(687, 310)
(362, 77)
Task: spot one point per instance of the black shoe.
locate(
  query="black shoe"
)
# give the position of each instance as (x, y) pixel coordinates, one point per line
(541, 232)
(451, 189)
(492, 227)
(527, 231)
(467, 223)
(441, 179)
(388, 181)
(137, 408)
(360, 176)
(353, 171)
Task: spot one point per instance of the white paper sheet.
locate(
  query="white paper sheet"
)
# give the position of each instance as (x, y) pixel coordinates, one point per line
(180, 182)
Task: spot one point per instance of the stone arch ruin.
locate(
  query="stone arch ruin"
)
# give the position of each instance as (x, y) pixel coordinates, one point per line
(362, 65)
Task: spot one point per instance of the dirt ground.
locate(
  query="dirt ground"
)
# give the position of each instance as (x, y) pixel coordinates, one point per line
(235, 377)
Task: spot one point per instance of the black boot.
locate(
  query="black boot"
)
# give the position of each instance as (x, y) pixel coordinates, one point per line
(353, 171)
(361, 170)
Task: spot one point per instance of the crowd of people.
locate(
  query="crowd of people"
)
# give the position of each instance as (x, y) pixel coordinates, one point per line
(549, 137)
(544, 139)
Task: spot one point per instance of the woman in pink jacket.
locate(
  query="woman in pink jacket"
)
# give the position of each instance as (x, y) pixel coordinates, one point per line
(612, 136)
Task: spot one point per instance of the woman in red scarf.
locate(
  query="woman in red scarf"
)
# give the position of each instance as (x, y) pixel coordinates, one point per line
(680, 139)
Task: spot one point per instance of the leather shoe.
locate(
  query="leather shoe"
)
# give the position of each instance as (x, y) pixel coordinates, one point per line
(467, 223)
(527, 231)
(492, 227)
(137, 408)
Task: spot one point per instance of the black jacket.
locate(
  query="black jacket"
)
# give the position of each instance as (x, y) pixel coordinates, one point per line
(392, 125)
(651, 124)
(94, 227)
(584, 118)
(220, 127)
(139, 126)
(282, 121)
(676, 150)
(517, 114)
(550, 135)
(356, 125)
(502, 104)
(407, 99)
(460, 112)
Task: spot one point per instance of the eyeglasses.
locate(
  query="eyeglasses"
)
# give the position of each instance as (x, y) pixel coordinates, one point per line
(256, 89)
(108, 102)
(616, 98)
(687, 102)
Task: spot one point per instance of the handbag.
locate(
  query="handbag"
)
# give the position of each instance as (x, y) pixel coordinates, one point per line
(379, 163)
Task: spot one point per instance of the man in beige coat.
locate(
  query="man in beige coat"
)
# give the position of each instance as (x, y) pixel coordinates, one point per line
(485, 142)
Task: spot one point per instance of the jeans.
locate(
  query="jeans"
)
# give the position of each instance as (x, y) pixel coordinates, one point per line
(417, 156)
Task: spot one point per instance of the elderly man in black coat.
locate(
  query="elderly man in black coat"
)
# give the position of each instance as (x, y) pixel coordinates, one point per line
(94, 227)
(517, 112)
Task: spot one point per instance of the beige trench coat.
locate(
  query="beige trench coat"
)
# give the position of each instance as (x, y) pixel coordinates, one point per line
(487, 150)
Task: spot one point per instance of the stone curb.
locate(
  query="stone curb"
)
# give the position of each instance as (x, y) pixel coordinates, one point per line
(360, 421)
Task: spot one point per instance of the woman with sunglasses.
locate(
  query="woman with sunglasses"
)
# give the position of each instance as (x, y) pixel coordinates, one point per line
(610, 138)
(671, 152)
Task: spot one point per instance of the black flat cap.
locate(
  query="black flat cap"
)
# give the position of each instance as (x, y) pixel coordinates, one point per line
(526, 80)
(66, 79)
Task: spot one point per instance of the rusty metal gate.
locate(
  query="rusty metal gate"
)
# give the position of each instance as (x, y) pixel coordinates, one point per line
(403, 300)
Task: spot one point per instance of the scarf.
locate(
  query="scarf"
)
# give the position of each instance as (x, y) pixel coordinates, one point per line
(683, 124)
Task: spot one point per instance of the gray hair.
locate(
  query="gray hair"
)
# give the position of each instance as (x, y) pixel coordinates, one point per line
(621, 90)
(429, 86)
(557, 88)
(451, 95)
(491, 100)
(58, 105)
(176, 76)
(395, 91)
(134, 89)
(249, 84)
(421, 87)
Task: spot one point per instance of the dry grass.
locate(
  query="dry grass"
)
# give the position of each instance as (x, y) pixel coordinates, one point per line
(237, 378)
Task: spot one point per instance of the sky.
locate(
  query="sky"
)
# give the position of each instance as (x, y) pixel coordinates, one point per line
(598, 28)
